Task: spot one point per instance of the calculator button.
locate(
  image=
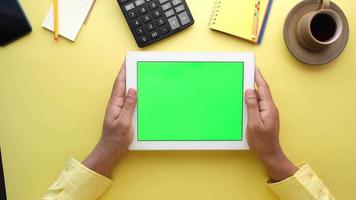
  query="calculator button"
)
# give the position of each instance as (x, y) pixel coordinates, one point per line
(139, 2)
(164, 30)
(166, 6)
(140, 31)
(173, 22)
(154, 34)
(136, 22)
(150, 27)
(169, 13)
(157, 13)
(153, 5)
(147, 18)
(160, 22)
(143, 9)
(176, 2)
(153, 20)
(129, 6)
(132, 14)
(122, 1)
(180, 8)
(143, 39)
(184, 18)
(162, 1)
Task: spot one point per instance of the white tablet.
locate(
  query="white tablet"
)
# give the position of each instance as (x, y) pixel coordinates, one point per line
(189, 101)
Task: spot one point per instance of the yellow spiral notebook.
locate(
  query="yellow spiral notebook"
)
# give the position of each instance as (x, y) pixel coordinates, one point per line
(236, 17)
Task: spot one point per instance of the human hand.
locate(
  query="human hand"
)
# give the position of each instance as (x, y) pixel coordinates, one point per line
(263, 131)
(116, 136)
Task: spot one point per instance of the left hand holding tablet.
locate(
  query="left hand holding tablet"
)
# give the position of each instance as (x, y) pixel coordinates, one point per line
(116, 136)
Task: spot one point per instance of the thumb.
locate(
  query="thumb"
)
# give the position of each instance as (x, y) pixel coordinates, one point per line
(129, 106)
(253, 111)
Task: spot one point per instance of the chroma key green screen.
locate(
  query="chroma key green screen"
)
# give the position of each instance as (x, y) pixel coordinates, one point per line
(190, 101)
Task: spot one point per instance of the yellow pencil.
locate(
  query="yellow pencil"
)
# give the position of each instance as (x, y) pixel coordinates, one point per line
(256, 15)
(55, 14)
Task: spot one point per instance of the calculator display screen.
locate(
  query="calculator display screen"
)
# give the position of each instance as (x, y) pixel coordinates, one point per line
(190, 101)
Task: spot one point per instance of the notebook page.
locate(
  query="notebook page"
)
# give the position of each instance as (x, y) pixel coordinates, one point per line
(71, 16)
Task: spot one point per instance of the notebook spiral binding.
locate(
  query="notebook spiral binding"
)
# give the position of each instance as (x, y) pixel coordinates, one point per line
(215, 12)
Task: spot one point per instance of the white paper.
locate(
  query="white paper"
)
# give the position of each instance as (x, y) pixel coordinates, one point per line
(71, 16)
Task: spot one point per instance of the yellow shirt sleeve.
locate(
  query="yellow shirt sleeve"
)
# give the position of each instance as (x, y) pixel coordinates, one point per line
(76, 182)
(304, 185)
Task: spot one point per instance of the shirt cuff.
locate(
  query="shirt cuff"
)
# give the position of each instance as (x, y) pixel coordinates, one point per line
(79, 182)
(304, 184)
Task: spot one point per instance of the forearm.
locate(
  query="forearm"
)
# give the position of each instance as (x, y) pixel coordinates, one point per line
(102, 159)
(278, 166)
(292, 183)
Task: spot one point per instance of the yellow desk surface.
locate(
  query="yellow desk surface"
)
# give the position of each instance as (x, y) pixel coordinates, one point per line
(53, 97)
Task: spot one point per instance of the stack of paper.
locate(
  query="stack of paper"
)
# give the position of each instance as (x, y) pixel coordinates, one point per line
(71, 15)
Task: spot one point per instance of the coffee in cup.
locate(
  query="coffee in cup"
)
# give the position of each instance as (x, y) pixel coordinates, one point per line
(320, 28)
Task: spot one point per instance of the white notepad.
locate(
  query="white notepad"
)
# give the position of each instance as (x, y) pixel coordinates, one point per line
(71, 15)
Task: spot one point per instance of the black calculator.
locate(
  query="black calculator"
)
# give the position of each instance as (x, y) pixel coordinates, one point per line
(154, 20)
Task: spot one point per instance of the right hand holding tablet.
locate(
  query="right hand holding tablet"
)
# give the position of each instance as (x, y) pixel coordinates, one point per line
(263, 131)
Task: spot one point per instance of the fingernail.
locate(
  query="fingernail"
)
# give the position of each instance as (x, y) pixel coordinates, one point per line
(132, 92)
(250, 94)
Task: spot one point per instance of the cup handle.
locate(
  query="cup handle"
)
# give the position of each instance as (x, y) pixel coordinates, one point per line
(323, 4)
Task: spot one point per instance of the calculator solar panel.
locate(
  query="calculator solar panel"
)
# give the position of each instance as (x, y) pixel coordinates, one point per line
(154, 20)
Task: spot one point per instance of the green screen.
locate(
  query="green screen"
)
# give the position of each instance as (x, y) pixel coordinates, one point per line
(190, 101)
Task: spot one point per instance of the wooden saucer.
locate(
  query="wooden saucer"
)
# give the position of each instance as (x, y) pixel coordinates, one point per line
(297, 50)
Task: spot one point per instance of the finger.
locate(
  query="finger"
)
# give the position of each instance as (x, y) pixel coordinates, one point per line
(120, 83)
(260, 80)
(253, 112)
(129, 106)
(257, 96)
(263, 88)
(116, 101)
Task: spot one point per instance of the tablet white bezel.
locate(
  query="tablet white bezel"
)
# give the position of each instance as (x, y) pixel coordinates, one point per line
(131, 82)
